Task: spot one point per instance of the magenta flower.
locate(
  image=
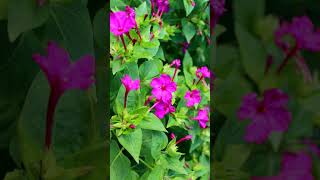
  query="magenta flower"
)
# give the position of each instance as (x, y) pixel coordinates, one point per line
(202, 73)
(163, 6)
(185, 46)
(132, 16)
(163, 88)
(296, 166)
(193, 97)
(121, 23)
(216, 11)
(305, 37)
(163, 108)
(202, 117)
(63, 75)
(187, 137)
(176, 63)
(130, 85)
(172, 136)
(268, 115)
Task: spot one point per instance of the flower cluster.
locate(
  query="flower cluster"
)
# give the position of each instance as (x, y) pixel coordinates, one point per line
(121, 22)
(217, 9)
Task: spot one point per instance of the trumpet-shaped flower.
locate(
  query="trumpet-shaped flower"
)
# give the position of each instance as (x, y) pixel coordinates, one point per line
(163, 88)
(192, 97)
(163, 108)
(268, 115)
(63, 75)
(202, 118)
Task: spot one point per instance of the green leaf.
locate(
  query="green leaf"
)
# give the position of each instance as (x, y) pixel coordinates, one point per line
(157, 173)
(78, 38)
(158, 143)
(187, 65)
(188, 6)
(275, 139)
(141, 10)
(101, 34)
(188, 29)
(176, 165)
(152, 122)
(150, 69)
(132, 143)
(247, 12)
(24, 15)
(15, 175)
(236, 155)
(253, 54)
(3, 9)
(145, 50)
(119, 163)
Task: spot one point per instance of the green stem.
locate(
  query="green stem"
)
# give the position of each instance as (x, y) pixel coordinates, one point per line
(117, 156)
(146, 164)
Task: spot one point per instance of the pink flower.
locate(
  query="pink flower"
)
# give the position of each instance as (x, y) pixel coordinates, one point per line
(297, 166)
(187, 137)
(302, 30)
(216, 11)
(163, 88)
(176, 63)
(203, 72)
(185, 46)
(202, 117)
(129, 84)
(172, 136)
(121, 23)
(163, 108)
(268, 115)
(63, 75)
(163, 6)
(193, 97)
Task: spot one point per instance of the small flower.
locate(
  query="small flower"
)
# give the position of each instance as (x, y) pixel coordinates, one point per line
(202, 117)
(185, 46)
(172, 136)
(132, 126)
(163, 108)
(187, 137)
(121, 23)
(176, 63)
(216, 11)
(63, 75)
(203, 72)
(163, 88)
(268, 115)
(130, 84)
(293, 166)
(302, 31)
(163, 6)
(192, 97)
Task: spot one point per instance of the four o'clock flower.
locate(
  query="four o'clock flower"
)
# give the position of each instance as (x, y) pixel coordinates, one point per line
(163, 88)
(202, 117)
(176, 63)
(202, 73)
(63, 75)
(305, 37)
(193, 97)
(216, 11)
(187, 137)
(268, 115)
(132, 16)
(130, 85)
(163, 108)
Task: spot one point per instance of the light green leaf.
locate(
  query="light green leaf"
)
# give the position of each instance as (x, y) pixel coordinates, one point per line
(188, 29)
(188, 6)
(150, 69)
(159, 142)
(152, 122)
(132, 143)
